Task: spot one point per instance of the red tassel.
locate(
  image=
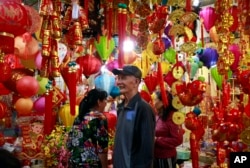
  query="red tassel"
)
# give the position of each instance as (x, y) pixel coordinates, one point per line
(110, 13)
(161, 83)
(188, 5)
(72, 92)
(194, 150)
(48, 126)
(120, 35)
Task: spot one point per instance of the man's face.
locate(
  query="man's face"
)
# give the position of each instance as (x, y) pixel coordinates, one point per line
(127, 83)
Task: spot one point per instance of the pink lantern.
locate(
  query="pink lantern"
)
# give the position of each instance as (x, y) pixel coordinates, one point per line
(112, 64)
(39, 105)
(235, 49)
(38, 60)
(208, 17)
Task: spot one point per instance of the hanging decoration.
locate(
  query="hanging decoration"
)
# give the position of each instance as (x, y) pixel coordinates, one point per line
(105, 46)
(14, 21)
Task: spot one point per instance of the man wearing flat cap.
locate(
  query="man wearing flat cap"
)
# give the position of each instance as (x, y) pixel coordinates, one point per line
(134, 138)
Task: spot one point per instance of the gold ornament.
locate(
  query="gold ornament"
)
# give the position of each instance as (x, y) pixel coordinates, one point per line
(176, 15)
(178, 118)
(177, 30)
(189, 17)
(188, 47)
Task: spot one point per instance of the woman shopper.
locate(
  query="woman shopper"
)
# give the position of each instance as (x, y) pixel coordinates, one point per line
(88, 137)
(168, 135)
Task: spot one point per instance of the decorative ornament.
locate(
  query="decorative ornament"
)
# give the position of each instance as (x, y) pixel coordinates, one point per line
(104, 46)
(178, 118)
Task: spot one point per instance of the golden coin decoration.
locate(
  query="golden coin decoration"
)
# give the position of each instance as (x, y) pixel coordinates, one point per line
(177, 30)
(178, 118)
(176, 103)
(178, 72)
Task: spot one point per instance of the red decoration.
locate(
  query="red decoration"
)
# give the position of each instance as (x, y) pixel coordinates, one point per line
(192, 93)
(234, 13)
(4, 90)
(71, 75)
(151, 81)
(146, 96)
(17, 74)
(112, 119)
(14, 21)
(89, 64)
(161, 83)
(27, 86)
(194, 146)
(158, 46)
(3, 109)
(48, 117)
(5, 70)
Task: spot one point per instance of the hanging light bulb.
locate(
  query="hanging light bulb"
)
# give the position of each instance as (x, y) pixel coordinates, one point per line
(128, 45)
(196, 3)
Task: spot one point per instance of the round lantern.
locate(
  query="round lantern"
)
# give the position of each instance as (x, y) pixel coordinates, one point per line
(14, 21)
(89, 64)
(24, 106)
(112, 119)
(39, 105)
(17, 74)
(65, 115)
(158, 46)
(27, 86)
(112, 64)
(105, 81)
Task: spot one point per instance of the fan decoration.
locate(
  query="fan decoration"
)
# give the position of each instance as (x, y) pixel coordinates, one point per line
(104, 46)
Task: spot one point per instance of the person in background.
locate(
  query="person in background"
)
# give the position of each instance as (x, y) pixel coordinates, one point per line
(168, 135)
(134, 137)
(8, 160)
(88, 137)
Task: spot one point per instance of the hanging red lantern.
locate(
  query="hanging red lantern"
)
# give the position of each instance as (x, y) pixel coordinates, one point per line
(158, 46)
(112, 119)
(89, 64)
(71, 75)
(14, 21)
(151, 82)
(16, 74)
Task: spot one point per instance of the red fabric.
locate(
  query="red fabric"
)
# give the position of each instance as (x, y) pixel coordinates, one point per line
(168, 137)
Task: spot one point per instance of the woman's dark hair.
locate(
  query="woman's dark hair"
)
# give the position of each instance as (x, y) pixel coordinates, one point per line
(91, 100)
(169, 108)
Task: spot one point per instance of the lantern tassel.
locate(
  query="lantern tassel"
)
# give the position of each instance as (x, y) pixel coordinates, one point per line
(48, 113)
(72, 92)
